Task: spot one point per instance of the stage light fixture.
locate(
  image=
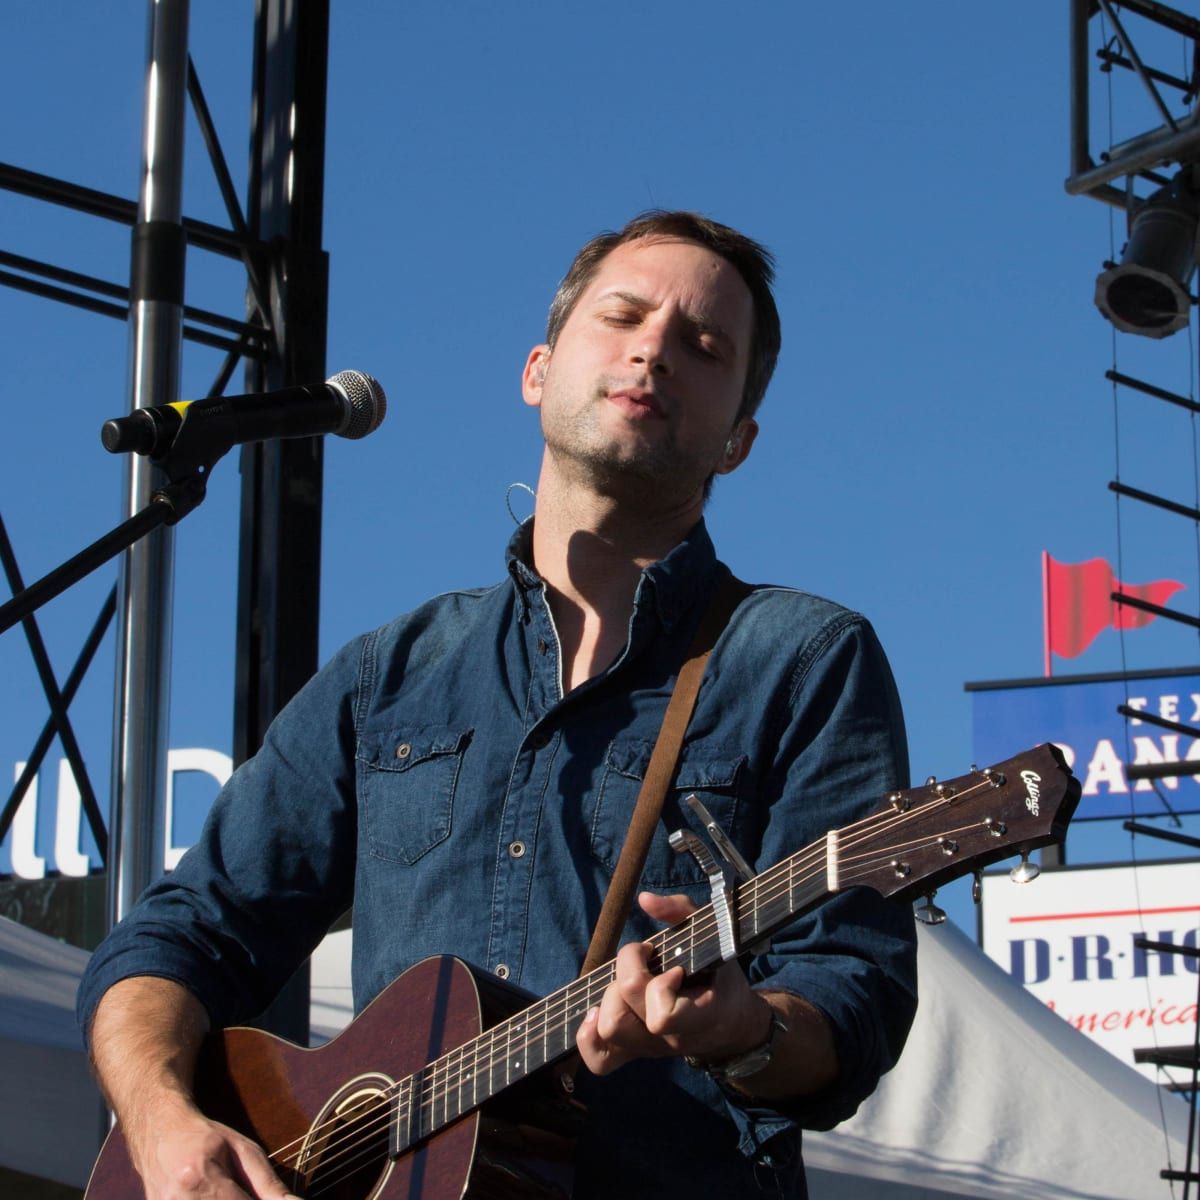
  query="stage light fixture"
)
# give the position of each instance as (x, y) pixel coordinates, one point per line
(1147, 292)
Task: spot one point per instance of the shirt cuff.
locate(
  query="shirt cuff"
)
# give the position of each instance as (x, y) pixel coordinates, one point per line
(761, 1129)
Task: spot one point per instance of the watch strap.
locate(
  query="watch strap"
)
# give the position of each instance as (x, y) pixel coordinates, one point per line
(749, 1062)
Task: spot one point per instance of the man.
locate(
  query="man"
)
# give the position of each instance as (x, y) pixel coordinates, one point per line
(465, 777)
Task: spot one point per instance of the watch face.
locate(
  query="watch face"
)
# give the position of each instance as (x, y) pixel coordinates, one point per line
(754, 1060)
(750, 1063)
(742, 1065)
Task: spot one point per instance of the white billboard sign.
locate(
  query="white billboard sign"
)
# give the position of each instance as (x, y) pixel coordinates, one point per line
(49, 834)
(1069, 937)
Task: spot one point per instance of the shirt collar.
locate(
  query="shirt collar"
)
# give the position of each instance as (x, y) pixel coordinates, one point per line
(675, 582)
(519, 558)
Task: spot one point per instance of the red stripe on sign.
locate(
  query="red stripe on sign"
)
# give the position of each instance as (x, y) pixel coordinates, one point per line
(1116, 912)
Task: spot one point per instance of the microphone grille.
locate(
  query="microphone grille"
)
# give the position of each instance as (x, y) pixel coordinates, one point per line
(366, 399)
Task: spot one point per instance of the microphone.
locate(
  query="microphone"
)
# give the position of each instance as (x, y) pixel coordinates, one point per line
(350, 404)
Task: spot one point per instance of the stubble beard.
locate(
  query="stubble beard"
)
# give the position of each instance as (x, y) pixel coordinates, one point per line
(652, 468)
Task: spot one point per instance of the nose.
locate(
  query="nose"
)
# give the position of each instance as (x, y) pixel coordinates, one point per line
(651, 349)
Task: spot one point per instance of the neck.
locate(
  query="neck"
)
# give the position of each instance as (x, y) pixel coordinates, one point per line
(591, 547)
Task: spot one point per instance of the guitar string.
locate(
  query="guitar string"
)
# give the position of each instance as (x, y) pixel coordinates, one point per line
(696, 928)
(699, 928)
(383, 1107)
(367, 1137)
(361, 1143)
(385, 1110)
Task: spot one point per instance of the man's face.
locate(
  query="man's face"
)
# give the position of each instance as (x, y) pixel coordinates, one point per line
(647, 376)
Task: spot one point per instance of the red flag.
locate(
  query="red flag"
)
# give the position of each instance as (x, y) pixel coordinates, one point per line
(1078, 603)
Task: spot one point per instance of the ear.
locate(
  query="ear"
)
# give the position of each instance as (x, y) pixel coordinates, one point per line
(534, 375)
(737, 447)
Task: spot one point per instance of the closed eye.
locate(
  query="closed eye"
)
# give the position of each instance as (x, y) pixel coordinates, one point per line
(620, 318)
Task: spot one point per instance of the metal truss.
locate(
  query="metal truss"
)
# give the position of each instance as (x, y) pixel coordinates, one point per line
(253, 338)
(1139, 161)
(279, 537)
(1176, 140)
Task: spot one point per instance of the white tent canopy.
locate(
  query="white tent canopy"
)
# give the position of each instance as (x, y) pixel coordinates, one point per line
(50, 1111)
(995, 1095)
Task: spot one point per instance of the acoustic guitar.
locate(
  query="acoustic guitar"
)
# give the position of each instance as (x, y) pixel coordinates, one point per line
(444, 1085)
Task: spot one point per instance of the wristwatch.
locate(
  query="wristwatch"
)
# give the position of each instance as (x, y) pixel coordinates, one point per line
(748, 1063)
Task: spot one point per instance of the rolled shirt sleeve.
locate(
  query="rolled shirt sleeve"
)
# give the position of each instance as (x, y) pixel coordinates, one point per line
(273, 867)
(841, 750)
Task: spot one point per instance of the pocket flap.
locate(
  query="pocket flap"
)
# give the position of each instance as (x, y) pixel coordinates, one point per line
(403, 748)
(700, 768)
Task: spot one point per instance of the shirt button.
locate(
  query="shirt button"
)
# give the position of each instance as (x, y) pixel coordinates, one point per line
(542, 647)
(539, 740)
(516, 849)
(403, 750)
(502, 971)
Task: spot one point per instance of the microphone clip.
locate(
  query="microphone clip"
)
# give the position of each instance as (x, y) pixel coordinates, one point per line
(187, 462)
(181, 442)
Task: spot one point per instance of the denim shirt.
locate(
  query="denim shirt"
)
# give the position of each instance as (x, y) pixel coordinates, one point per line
(435, 776)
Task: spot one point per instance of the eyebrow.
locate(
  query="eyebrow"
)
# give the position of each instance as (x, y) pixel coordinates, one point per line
(701, 324)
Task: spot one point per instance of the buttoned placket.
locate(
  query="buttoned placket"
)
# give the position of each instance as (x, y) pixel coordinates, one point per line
(531, 775)
(533, 771)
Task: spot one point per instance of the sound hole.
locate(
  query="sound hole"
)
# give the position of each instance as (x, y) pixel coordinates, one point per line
(344, 1156)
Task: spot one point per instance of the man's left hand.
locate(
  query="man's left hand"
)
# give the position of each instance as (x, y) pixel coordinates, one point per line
(652, 1016)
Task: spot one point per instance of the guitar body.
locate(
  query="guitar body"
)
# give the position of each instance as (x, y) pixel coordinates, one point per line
(276, 1093)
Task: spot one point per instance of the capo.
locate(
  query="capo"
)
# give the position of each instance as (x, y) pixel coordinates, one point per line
(722, 879)
(721, 883)
(728, 851)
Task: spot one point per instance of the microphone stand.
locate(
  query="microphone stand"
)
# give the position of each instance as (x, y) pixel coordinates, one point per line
(187, 461)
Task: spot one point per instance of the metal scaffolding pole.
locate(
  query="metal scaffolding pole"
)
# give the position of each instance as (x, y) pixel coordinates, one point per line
(142, 684)
(280, 567)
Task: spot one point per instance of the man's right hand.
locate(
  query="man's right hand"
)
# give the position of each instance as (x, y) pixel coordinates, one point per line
(181, 1155)
(144, 1040)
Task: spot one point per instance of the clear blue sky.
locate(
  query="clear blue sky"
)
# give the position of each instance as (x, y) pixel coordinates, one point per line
(938, 418)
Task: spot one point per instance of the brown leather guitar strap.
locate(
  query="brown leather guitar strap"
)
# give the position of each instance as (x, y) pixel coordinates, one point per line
(728, 594)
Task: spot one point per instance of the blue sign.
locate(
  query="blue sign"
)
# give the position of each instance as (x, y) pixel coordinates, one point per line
(1099, 743)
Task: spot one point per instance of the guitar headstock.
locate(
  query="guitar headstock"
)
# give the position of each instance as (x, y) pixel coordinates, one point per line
(926, 836)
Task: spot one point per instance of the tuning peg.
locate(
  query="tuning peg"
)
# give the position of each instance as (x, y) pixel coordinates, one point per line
(1025, 871)
(977, 886)
(929, 913)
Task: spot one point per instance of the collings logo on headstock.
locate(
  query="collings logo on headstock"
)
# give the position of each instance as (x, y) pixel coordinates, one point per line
(1032, 781)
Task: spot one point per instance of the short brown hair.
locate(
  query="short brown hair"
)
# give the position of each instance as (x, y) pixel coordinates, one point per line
(754, 263)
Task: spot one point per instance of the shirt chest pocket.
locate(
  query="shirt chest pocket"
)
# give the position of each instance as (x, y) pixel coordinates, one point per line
(712, 776)
(407, 778)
